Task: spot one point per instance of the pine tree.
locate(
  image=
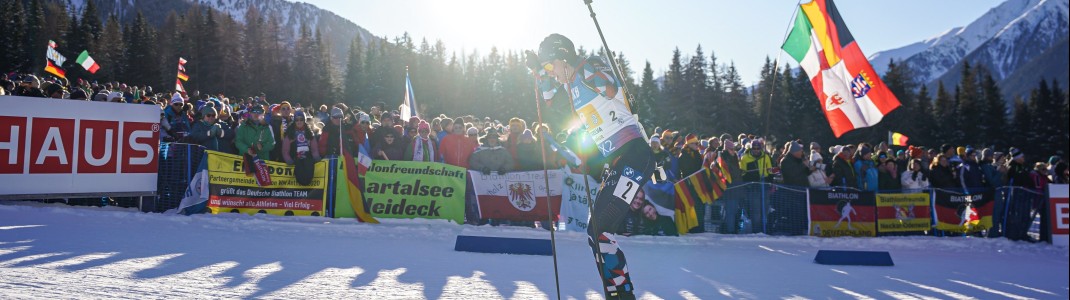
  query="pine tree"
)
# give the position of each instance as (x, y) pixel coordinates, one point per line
(110, 53)
(943, 114)
(35, 35)
(922, 121)
(993, 123)
(648, 96)
(1022, 125)
(695, 95)
(354, 72)
(141, 62)
(13, 54)
(1043, 131)
(672, 91)
(969, 107)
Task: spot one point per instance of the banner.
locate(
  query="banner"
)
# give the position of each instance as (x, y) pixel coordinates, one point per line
(842, 213)
(965, 213)
(574, 210)
(1059, 213)
(411, 189)
(903, 212)
(231, 191)
(517, 196)
(652, 211)
(62, 148)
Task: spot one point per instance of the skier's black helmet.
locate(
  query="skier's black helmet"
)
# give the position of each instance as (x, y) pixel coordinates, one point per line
(556, 46)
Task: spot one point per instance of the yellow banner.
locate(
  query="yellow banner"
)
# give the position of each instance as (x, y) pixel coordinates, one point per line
(903, 212)
(231, 191)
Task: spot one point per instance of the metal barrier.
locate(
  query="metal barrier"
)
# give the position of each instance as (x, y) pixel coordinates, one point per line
(178, 163)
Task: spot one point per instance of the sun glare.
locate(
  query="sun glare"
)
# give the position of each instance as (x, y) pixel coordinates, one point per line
(476, 24)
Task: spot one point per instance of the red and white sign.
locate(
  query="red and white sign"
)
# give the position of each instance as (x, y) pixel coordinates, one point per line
(65, 147)
(1059, 213)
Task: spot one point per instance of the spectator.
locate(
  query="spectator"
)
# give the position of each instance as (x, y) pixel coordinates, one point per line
(491, 156)
(755, 164)
(298, 141)
(30, 87)
(390, 148)
(422, 147)
(914, 180)
(728, 159)
(335, 137)
(1059, 174)
(993, 167)
(208, 132)
(843, 171)
(971, 177)
(446, 128)
(817, 176)
(456, 147)
(942, 176)
(323, 114)
(516, 127)
(866, 169)
(888, 179)
(178, 117)
(793, 168)
(529, 152)
(254, 136)
(690, 158)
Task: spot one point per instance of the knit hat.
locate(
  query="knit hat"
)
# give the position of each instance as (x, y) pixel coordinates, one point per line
(363, 117)
(793, 146)
(176, 98)
(299, 115)
(915, 152)
(691, 138)
(814, 157)
(256, 109)
(961, 151)
(728, 144)
(337, 112)
(208, 110)
(969, 151)
(755, 144)
(655, 139)
(114, 95)
(1015, 153)
(472, 131)
(423, 125)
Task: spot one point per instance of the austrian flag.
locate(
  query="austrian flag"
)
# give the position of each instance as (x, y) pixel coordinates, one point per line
(87, 62)
(851, 93)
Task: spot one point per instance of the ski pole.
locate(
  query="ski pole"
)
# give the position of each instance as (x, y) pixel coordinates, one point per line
(546, 177)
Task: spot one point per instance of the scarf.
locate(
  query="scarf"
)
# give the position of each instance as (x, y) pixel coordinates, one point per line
(422, 150)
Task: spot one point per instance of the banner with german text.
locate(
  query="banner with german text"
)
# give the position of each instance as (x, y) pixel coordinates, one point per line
(842, 213)
(518, 196)
(231, 191)
(903, 212)
(965, 213)
(411, 189)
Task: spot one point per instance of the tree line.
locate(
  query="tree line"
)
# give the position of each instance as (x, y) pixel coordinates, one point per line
(698, 93)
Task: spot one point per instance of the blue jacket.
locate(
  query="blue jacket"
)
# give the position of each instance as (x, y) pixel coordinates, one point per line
(867, 180)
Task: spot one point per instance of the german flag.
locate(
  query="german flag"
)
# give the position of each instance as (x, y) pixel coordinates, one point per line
(350, 182)
(963, 213)
(726, 176)
(183, 76)
(685, 215)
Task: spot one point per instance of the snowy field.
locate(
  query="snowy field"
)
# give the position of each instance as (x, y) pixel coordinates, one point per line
(62, 252)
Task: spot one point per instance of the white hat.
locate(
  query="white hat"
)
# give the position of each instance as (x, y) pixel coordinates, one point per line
(176, 98)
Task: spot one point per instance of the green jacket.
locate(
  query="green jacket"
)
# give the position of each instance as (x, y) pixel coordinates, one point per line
(249, 133)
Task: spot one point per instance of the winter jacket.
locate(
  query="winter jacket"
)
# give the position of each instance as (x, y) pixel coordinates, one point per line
(201, 135)
(843, 173)
(1018, 175)
(755, 168)
(818, 179)
(488, 159)
(292, 138)
(914, 181)
(993, 177)
(943, 178)
(888, 181)
(731, 163)
(249, 133)
(867, 175)
(394, 151)
(971, 176)
(329, 140)
(795, 171)
(457, 148)
(530, 156)
(690, 162)
(410, 149)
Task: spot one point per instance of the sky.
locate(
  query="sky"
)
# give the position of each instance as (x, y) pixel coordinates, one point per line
(744, 32)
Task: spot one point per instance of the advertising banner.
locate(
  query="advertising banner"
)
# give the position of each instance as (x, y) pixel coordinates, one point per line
(574, 210)
(963, 213)
(517, 196)
(63, 148)
(410, 189)
(232, 191)
(903, 212)
(1059, 213)
(842, 213)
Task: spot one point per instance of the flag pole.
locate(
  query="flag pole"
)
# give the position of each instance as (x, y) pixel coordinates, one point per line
(612, 62)
(546, 177)
(776, 67)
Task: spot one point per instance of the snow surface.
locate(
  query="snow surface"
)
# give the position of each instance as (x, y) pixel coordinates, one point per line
(59, 252)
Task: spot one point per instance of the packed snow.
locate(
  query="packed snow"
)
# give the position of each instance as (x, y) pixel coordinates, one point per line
(54, 251)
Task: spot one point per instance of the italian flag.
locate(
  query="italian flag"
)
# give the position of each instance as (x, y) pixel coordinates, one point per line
(87, 62)
(851, 93)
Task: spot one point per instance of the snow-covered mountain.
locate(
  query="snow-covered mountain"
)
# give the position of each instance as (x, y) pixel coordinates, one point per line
(1010, 34)
(336, 29)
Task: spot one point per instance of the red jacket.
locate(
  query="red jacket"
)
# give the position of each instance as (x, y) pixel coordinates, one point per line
(457, 148)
